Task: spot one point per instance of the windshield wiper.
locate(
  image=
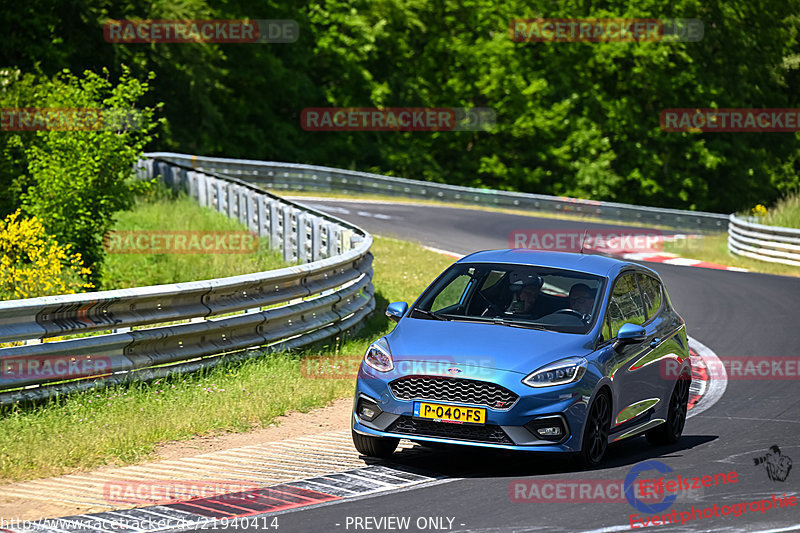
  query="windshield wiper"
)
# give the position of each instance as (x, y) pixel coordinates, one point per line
(429, 314)
(504, 322)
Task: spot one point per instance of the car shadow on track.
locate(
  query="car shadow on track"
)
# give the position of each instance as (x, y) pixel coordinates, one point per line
(458, 461)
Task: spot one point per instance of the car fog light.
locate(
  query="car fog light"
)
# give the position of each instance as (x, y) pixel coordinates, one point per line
(549, 432)
(367, 409)
(551, 428)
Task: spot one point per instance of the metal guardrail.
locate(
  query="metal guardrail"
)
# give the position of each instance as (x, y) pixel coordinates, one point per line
(307, 177)
(329, 292)
(764, 243)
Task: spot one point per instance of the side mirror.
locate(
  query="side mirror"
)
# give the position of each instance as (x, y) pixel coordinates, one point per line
(629, 334)
(396, 310)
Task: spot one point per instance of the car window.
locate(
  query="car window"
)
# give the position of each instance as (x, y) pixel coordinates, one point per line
(492, 278)
(524, 295)
(606, 331)
(625, 305)
(452, 294)
(651, 294)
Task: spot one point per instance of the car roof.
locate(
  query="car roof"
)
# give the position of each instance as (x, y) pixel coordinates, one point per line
(599, 265)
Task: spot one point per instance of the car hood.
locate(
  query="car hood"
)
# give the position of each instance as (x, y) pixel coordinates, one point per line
(483, 345)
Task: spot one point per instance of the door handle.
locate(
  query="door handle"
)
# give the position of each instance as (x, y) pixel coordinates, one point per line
(654, 342)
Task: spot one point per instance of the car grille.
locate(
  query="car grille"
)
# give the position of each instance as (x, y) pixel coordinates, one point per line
(453, 390)
(426, 428)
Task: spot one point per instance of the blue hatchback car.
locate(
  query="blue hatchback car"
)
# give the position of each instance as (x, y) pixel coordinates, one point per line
(528, 350)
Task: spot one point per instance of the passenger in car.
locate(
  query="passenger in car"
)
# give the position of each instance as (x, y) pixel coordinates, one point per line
(581, 298)
(526, 301)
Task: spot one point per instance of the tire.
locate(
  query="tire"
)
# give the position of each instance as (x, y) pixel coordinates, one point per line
(595, 434)
(670, 431)
(382, 447)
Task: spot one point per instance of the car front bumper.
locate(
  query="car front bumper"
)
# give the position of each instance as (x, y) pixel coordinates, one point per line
(505, 428)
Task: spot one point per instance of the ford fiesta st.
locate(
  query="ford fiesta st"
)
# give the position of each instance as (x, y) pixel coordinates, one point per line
(528, 350)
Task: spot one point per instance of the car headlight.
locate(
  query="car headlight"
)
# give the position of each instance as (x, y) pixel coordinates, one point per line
(379, 356)
(558, 373)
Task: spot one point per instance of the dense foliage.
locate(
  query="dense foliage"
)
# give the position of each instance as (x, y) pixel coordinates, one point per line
(578, 119)
(73, 179)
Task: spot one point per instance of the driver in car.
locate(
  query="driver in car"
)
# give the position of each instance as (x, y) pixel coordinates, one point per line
(581, 298)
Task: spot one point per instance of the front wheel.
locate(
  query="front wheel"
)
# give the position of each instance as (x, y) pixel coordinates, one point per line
(670, 431)
(368, 445)
(595, 434)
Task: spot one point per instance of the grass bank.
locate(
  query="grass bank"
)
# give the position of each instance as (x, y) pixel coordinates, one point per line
(123, 425)
(160, 214)
(786, 213)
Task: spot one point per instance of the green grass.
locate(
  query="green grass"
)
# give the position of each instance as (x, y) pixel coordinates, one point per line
(162, 212)
(123, 424)
(786, 212)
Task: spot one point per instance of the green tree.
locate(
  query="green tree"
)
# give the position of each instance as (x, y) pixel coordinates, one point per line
(77, 179)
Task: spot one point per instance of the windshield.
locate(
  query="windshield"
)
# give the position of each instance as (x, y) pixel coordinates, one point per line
(513, 295)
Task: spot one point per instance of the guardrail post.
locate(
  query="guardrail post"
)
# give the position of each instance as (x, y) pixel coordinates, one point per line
(333, 238)
(274, 225)
(286, 242)
(220, 196)
(316, 239)
(302, 238)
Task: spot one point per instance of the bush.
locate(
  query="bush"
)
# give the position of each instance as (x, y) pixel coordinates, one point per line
(32, 263)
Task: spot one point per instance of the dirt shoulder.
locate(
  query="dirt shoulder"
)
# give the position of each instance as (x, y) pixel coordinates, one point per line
(333, 417)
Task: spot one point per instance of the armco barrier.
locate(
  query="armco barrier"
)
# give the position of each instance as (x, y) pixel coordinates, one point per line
(329, 292)
(312, 178)
(765, 243)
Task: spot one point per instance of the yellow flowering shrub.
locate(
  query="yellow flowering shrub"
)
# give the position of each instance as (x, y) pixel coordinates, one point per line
(32, 263)
(760, 211)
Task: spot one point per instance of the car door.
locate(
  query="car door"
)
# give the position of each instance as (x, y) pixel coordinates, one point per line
(625, 306)
(656, 376)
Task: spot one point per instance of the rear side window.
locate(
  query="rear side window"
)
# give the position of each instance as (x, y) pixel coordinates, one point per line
(625, 305)
(651, 294)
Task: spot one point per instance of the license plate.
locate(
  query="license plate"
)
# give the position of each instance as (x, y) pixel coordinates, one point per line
(450, 413)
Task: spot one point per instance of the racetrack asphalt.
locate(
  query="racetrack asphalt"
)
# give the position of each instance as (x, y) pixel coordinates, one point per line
(734, 313)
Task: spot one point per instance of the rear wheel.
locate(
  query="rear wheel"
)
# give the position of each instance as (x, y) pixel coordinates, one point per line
(382, 447)
(670, 431)
(595, 434)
